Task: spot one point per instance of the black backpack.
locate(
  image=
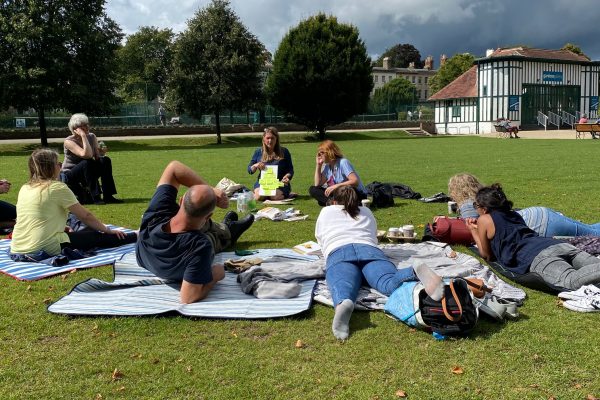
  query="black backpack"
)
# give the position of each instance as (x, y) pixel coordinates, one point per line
(381, 193)
(455, 314)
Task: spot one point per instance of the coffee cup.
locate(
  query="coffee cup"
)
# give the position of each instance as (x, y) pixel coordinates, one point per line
(409, 231)
(366, 203)
(394, 232)
(452, 207)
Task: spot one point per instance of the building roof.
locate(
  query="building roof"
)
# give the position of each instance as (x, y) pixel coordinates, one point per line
(544, 54)
(418, 71)
(462, 87)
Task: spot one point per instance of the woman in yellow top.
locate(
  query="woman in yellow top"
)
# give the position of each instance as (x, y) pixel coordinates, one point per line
(43, 205)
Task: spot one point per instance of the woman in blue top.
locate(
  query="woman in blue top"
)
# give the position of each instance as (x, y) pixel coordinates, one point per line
(501, 234)
(271, 153)
(332, 171)
(542, 220)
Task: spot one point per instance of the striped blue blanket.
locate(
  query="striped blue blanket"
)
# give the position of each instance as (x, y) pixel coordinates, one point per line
(136, 291)
(32, 271)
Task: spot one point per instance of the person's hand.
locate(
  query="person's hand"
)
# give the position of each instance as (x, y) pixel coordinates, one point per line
(4, 186)
(319, 159)
(471, 223)
(329, 190)
(119, 234)
(80, 132)
(285, 179)
(259, 165)
(222, 200)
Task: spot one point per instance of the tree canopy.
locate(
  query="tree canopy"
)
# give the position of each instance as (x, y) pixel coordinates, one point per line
(57, 54)
(216, 65)
(454, 67)
(321, 73)
(394, 94)
(401, 55)
(144, 63)
(574, 48)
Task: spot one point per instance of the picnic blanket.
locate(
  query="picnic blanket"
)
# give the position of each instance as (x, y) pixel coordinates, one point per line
(32, 271)
(136, 291)
(442, 259)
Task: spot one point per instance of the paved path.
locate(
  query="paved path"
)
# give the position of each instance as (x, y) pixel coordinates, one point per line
(550, 134)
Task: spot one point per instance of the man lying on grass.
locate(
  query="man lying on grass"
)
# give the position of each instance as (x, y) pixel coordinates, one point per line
(179, 241)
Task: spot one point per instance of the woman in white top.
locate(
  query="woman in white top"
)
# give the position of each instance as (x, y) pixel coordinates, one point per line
(347, 234)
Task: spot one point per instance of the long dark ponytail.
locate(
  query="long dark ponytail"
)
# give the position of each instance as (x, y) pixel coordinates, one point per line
(347, 197)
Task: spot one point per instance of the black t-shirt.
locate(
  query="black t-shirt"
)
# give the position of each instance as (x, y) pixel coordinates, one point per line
(177, 256)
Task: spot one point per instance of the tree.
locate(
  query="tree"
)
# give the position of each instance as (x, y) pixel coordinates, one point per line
(454, 67)
(57, 54)
(401, 55)
(574, 48)
(321, 73)
(145, 63)
(388, 98)
(216, 65)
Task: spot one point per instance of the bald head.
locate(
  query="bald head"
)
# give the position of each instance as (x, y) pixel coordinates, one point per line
(199, 201)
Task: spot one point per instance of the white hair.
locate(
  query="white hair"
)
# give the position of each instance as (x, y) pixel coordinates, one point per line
(78, 120)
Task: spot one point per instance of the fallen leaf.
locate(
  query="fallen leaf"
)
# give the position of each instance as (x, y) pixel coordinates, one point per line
(551, 398)
(136, 355)
(47, 300)
(401, 393)
(300, 344)
(95, 327)
(534, 385)
(319, 380)
(591, 397)
(29, 288)
(456, 370)
(189, 368)
(452, 254)
(577, 386)
(64, 277)
(412, 330)
(72, 271)
(234, 334)
(180, 360)
(155, 361)
(50, 288)
(98, 396)
(116, 375)
(122, 388)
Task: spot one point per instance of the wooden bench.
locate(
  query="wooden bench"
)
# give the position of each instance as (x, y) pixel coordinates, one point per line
(582, 129)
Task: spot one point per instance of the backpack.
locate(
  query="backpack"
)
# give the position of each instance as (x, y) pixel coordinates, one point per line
(411, 305)
(456, 314)
(381, 193)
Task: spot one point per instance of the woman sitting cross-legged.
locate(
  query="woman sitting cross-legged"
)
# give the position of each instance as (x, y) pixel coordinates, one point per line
(347, 234)
(332, 171)
(43, 205)
(272, 153)
(501, 234)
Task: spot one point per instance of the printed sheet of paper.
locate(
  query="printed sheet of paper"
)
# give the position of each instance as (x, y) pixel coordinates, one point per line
(268, 181)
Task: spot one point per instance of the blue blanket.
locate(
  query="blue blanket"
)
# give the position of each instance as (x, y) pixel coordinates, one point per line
(136, 291)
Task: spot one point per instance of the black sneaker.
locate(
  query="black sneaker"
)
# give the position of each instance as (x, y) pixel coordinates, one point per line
(236, 228)
(231, 216)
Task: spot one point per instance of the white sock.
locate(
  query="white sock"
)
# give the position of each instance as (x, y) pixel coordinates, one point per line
(341, 319)
(434, 286)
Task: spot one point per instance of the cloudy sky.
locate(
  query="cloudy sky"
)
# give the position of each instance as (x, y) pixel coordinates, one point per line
(434, 27)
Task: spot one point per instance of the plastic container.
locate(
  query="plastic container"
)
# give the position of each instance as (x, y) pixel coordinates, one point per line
(246, 202)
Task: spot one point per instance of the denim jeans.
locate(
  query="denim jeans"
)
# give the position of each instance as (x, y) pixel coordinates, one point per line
(349, 264)
(564, 266)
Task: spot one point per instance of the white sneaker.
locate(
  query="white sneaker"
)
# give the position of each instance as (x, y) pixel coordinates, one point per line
(589, 304)
(581, 293)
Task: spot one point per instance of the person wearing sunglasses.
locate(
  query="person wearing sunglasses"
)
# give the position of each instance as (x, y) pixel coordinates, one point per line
(332, 171)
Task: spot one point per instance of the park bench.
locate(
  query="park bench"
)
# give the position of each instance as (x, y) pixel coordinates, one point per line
(582, 129)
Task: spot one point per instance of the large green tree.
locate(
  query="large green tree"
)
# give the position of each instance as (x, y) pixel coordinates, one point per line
(321, 73)
(401, 55)
(454, 67)
(145, 63)
(57, 54)
(216, 65)
(392, 96)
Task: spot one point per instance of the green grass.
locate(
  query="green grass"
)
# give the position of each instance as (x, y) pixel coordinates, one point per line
(549, 351)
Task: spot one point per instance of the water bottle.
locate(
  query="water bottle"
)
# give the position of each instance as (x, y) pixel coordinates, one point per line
(251, 201)
(242, 203)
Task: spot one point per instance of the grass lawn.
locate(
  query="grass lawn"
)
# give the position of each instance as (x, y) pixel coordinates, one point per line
(550, 352)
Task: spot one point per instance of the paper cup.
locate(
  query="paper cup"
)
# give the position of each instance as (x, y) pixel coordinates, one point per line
(394, 232)
(452, 207)
(366, 203)
(409, 231)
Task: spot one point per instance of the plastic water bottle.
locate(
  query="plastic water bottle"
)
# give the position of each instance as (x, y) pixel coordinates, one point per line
(242, 203)
(251, 201)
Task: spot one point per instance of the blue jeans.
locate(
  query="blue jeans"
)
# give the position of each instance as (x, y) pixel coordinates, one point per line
(547, 222)
(349, 264)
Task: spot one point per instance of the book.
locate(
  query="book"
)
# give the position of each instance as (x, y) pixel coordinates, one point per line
(308, 248)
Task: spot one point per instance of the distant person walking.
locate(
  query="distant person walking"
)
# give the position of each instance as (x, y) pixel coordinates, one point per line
(162, 115)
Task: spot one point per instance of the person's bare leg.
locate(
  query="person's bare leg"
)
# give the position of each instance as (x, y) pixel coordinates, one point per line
(257, 195)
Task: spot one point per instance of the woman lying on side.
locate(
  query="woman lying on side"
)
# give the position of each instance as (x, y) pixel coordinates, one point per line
(542, 220)
(501, 234)
(42, 209)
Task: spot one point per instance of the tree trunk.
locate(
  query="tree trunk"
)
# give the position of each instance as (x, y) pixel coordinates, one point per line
(321, 130)
(42, 125)
(218, 126)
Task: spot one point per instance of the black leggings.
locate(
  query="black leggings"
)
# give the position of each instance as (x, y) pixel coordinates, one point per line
(87, 240)
(318, 193)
